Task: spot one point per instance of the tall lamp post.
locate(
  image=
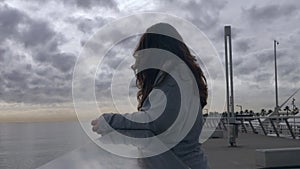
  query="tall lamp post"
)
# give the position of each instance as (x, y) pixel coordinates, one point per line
(231, 121)
(276, 85)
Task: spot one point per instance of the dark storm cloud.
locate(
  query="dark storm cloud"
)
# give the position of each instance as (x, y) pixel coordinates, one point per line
(45, 52)
(9, 20)
(84, 4)
(23, 84)
(17, 25)
(44, 78)
(63, 61)
(259, 67)
(270, 13)
(237, 62)
(86, 24)
(243, 45)
(287, 69)
(263, 77)
(252, 64)
(265, 57)
(87, 4)
(288, 66)
(205, 13)
(91, 3)
(38, 33)
(2, 53)
(15, 76)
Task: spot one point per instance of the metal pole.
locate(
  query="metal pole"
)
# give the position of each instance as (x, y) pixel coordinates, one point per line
(231, 78)
(293, 104)
(227, 81)
(276, 86)
(232, 132)
(226, 69)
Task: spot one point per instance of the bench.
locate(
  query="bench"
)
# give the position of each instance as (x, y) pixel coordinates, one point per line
(278, 157)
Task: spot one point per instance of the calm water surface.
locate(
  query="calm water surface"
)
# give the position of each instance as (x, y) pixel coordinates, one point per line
(30, 145)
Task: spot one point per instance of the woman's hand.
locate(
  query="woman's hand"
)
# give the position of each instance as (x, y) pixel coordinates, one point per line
(96, 123)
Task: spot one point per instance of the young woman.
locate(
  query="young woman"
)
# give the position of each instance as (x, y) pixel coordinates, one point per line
(166, 38)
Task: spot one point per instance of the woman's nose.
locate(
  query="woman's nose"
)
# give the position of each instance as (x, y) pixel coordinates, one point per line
(133, 67)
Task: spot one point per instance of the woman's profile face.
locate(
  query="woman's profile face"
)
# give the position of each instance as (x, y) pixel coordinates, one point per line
(140, 61)
(134, 66)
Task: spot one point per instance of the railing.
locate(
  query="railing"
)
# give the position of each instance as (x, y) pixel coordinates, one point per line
(282, 126)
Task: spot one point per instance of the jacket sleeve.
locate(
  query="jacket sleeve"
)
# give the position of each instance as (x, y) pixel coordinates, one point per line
(157, 112)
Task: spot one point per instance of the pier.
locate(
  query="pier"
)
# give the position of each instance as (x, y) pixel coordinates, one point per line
(254, 134)
(221, 156)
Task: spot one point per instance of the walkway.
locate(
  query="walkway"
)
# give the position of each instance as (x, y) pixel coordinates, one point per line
(220, 156)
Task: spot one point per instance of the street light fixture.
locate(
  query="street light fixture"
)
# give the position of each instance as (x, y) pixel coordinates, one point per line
(240, 106)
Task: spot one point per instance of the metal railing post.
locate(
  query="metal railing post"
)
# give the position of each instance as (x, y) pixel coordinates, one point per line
(262, 127)
(274, 127)
(253, 129)
(289, 127)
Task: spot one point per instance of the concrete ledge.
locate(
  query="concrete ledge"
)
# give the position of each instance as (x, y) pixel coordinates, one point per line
(278, 157)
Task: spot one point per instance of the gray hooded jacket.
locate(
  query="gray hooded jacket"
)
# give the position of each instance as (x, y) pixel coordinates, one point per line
(158, 113)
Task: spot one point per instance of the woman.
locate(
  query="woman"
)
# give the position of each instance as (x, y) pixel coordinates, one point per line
(165, 37)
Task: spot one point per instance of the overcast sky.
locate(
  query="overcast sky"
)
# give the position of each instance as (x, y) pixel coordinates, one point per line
(40, 41)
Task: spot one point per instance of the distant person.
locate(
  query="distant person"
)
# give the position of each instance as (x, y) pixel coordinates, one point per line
(189, 149)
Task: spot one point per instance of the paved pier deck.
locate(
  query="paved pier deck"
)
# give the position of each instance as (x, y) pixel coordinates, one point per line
(221, 156)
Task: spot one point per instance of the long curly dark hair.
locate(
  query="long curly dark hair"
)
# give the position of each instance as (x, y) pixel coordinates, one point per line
(145, 79)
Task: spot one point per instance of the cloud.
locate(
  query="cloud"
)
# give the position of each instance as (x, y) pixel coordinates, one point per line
(86, 24)
(203, 13)
(9, 20)
(270, 13)
(82, 4)
(243, 45)
(15, 76)
(37, 33)
(39, 47)
(33, 68)
(63, 61)
(91, 3)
